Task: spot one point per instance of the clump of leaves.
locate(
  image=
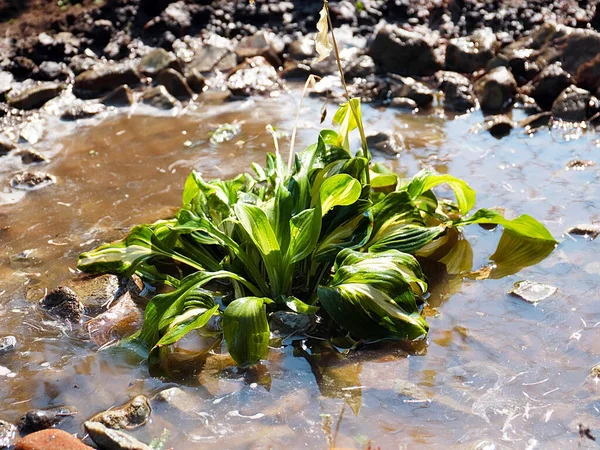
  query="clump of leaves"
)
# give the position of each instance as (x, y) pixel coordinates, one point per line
(331, 235)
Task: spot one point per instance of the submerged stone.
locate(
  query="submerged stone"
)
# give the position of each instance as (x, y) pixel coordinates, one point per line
(389, 143)
(41, 419)
(29, 156)
(286, 323)
(588, 230)
(63, 303)
(109, 439)
(121, 320)
(595, 372)
(536, 121)
(532, 292)
(29, 181)
(132, 414)
(95, 293)
(51, 440)
(8, 344)
(176, 398)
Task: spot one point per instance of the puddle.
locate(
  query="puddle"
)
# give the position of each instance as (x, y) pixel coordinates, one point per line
(496, 369)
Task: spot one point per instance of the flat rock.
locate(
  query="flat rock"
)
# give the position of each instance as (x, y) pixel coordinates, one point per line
(410, 88)
(95, 293)
(256, 77)
(41, 419)
(33, 95)
(588, 230)
(8, 435)
(157, 60)
(404, 52)
(121, 320)
(572, 105)
(496, 91)
(51, 440)
(471, 53)
(160, 98)
(532, 292)
(132, 414)
(30, 181)
(6, 80)
(175, 83)
(390, 144)
(121, 96)
(8, 344)
(105, 77)
(63, 303)
(109, 439)
(82, 110)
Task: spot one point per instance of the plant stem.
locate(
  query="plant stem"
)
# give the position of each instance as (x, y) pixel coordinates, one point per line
(310, 80)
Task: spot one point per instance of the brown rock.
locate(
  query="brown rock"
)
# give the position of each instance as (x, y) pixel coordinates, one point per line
(175, 84)
(496, 91)
(33, 95)
(121, 96)
(468, 54)
(104, 78)
(573, 105)
(51, 440)
(550, 83)
(123, 319)
(133, 414)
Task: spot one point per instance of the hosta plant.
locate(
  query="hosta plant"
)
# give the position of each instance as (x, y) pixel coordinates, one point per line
(330, 234)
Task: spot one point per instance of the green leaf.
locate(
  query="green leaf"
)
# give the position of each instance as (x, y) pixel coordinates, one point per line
(192, 319)
(246, 330)
(297, 305)
(339, 190)
(405, 238)
(523, 225)
(426, 180)
(304, 234)
(346, 118)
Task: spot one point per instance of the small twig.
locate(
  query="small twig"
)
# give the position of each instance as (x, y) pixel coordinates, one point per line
(309, 81)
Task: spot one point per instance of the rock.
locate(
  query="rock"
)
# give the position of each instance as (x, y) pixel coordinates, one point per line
(551, 82)
(8, 344)
(8, 435)
(33, 95)
(176, 398)
(64, 303)
(588, 74)
(177, 17)
(498, 126)
(258, 44)
(95, 293)
(536, 121)
(391, 144)
(160, 98)
(410, 88)
(82, 110)
(496, 91)
(51, 440)
(82, 63)
(456, 88)
(288, 323)
(6, 145)
(119, 46)
(103, 78)
(51, 70)
(101, 32)
(208, 56)
(121, 320)
(595, 372)
(121, 96)
(361, 66)
(578, 164)
(403, 103)
(108, 439)
(6, 80)
(174, 82)
(29, 156)
(404, 52)
(157, 60)
(471, 53)
(255, 77)
(412, 392)
(591, 230)
(33, 130)
(133, 414)
(573, 105)
(532, 292)
(40, 419)
(196, 81)
(29, 181)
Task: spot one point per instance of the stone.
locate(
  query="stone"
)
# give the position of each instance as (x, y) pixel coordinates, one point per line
(8, 435)
(390, 144)
(572, 105)
(536, 121)
(63, 303)
(96, 293)
(178, 17)
(41, 419)
(471, 53)
(496, 91)
(29, 156)
(30, 181)
(176, 398)
(588, 74)
(403, 103)
(587, 230)
(410, 88)
(207, 57)
(121, 320)
(595, 372)
(109, 439)
(103, 78)
(33, 95)
(532, 292)
(132, 414)
(175, 84)
(6, 80)
(121, 96)
(258, 44)
(51, 70)
(361, 66)
(157, 60)
(549, 84)
(8, 344)
(498, 126)
(404, 52)
(289, 323)
(579, 164)
(82, 110)
(196, 81)
(255, 77)
(119, 46)
(51, 440)
(34, 130)
(81, 63)
(160, 98)
(458, 95)
(6, 145)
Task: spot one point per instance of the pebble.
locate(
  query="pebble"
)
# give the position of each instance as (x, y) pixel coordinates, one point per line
(7, 344)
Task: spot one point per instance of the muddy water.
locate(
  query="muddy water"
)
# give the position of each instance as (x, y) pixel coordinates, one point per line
(496, 373)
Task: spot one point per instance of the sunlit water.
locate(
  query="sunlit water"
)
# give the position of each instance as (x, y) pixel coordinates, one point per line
(497, 372)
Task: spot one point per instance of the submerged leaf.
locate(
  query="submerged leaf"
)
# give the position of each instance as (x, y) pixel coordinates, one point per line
(323, 45)
(246, 330)
(533, 292)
